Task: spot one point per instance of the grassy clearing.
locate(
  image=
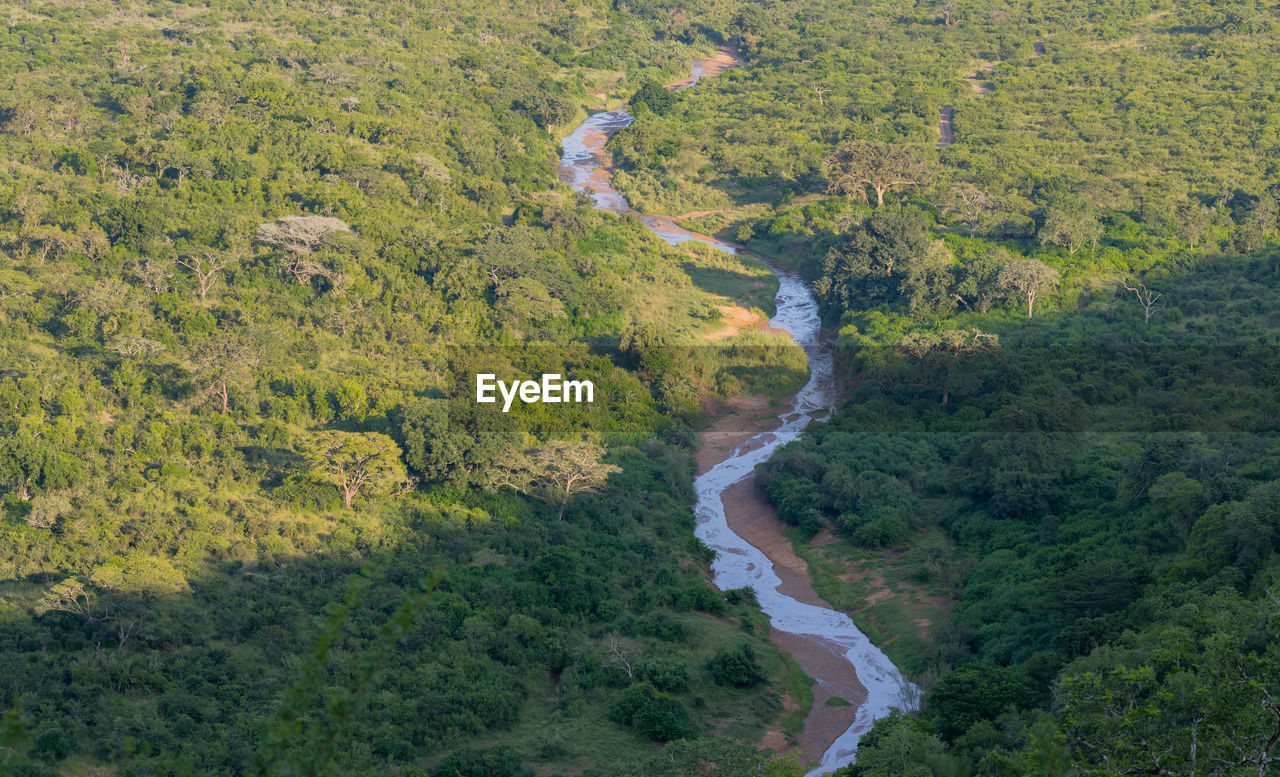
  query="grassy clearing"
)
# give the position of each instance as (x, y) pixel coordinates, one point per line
(566, 729)
(884, 592)
(739, 278)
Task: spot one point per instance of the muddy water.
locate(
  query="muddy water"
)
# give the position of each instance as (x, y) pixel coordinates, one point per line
(825, 642)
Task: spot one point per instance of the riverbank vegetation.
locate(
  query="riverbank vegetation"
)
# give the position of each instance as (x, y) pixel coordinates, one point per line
(1059, 338)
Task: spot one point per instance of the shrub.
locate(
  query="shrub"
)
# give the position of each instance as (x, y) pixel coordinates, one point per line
(666, 674)
(492, 762)
(52, 745)
(656, 715)
(737, 667)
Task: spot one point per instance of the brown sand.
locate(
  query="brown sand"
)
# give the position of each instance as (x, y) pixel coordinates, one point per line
(752, 517)
(712, 66)
(736, 319)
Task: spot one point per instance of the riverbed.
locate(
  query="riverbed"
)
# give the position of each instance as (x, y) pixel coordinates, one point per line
(729, 509)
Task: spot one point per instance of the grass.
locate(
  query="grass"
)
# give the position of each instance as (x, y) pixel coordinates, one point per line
(895, 611)
(799, 687)
(741, 278)
(566, 730)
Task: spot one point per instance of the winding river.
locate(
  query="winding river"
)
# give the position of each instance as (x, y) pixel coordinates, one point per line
(826, 642)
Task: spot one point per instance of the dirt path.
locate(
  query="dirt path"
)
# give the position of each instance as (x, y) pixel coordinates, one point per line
(944, 127)
(752, 517)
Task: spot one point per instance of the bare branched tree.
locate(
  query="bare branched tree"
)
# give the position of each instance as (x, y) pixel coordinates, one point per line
(300, 237)
(971, 204)
(207, 266)
(1146, 298)
(618, 655)
(154, 275)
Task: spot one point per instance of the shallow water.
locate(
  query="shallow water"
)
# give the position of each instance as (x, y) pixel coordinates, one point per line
(584, 166)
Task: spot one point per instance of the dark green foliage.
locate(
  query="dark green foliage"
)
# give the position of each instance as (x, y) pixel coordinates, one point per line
(228, 231)
(973, 692)
(654, 97)
(737, 667)
(51, 745)
(495, 762)
(653, 714)
(664, 674)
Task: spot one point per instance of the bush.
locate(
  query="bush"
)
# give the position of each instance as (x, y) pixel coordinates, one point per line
(737, 667)
(662, 626)
(493, 762)
(656, 715)
(666, 674)
(52, 745)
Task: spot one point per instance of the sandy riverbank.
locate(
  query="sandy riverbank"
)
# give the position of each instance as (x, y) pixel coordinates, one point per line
(751, 517)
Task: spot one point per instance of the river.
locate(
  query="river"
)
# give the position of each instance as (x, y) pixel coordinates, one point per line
(824, 641)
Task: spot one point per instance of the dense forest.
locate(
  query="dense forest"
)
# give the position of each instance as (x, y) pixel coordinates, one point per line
(251, 522)
(1059, 336)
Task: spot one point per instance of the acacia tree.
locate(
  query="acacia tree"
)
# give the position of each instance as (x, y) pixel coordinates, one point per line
(1072, 228)
(939, 359)
(223, 362)
(121, 591)
(971, 204)
(1028, 278)
(557, 471)
(949, 10)
(300, 237)
(355, 461)
(861, 164)
(206, 266)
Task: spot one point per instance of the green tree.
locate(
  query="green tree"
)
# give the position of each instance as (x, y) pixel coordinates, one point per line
(1029, 279)
(355, 462)
(980, 283)
(557, 471)
(855, 166)
(451, 441)
(121, 590)
(1071, 226)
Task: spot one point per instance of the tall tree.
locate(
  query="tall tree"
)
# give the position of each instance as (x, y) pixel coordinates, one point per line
(224, 362)
(1071, 226)
(859, 271)
(1028, 278)
(971, 204)
(980, 281)
(559, 470)
(1146, 297)
(355, 462)
(861, 164)
(928, 279)
(207, 265)
(121, 590)
(300, 237)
